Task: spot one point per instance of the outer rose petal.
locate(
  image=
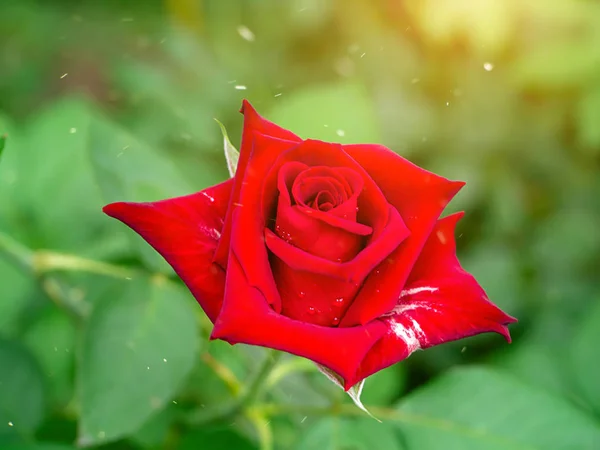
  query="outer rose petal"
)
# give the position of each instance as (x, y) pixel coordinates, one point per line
(246, 317)
(441, 303)
(420, 197)
(253, 124)
(185, 231)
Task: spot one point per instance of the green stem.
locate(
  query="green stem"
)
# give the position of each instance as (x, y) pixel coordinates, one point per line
(245, 400)
(41, 262)
(16, 252)
(48, 261)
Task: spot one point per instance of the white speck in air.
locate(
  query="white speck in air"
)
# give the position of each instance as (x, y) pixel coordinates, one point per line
(246, 33)
(488, 66)
(240, 87)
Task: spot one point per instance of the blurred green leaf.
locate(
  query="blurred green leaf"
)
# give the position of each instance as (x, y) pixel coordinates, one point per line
(48, 176)
(138, 347)
(588, 117)
(128, 170)
(51, 338)
(477, 408)
(2, 142)
(342, 112)
(585, 364)
(155, 430)
(22, 396)
(39, 446)
(559, 64)
(384, 386)
(13, 301)
(494, 266)
(222, 437)
(331, 433)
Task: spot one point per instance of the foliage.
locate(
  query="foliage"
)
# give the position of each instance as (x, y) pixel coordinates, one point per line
(100, 344)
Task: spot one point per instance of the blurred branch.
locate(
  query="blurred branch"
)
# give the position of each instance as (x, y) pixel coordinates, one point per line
(16, 252)
(263, 428)
(48, 261)
(224, 373)
(243, 403)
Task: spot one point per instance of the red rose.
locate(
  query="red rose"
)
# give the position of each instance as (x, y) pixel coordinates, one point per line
(331, 252)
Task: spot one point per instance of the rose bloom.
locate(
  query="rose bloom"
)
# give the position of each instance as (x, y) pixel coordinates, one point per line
(333, 252)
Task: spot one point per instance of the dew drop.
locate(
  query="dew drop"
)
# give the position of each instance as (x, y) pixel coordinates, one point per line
(338, 301)
(311, 311)
(301, 294)
(335, 321)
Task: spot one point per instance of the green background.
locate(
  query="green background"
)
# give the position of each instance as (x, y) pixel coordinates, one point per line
(101, 346)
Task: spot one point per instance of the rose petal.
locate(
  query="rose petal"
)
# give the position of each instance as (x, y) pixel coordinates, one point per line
(253, 124)
(249, 218)
(353, 271)
(316, 232)
(373, 206)
(185, 231)
(441, 303)
(420, 197)
(246, 317)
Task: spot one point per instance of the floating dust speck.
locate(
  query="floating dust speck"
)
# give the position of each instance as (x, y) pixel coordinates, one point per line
(488, 66)
(303, 419)
(63, 75)
(240, 87)
(10, 424)
(277, 95)
(101, 435)
(165, 359)
(73, 130)
(246, 33)
(340, 133)
(415, 80)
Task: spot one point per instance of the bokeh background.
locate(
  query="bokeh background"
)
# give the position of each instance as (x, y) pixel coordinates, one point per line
(101, 346)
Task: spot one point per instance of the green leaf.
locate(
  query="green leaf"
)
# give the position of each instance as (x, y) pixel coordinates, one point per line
(47, 166)
(350, 433)
(232, 155)
(342, 112)
(222, 437)
(138, 347)
(51, 338)
(15, 300)
(585, 364)
(128, 170)
(39, 446)
(354, 392)
(21, 391)
(384, 386)
(2, 143)
(480, 409)
(155, 430)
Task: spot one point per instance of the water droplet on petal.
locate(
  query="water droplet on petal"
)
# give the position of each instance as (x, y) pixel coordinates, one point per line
(338, 302)
(301, 294)
(311, 311)
(335, 321)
